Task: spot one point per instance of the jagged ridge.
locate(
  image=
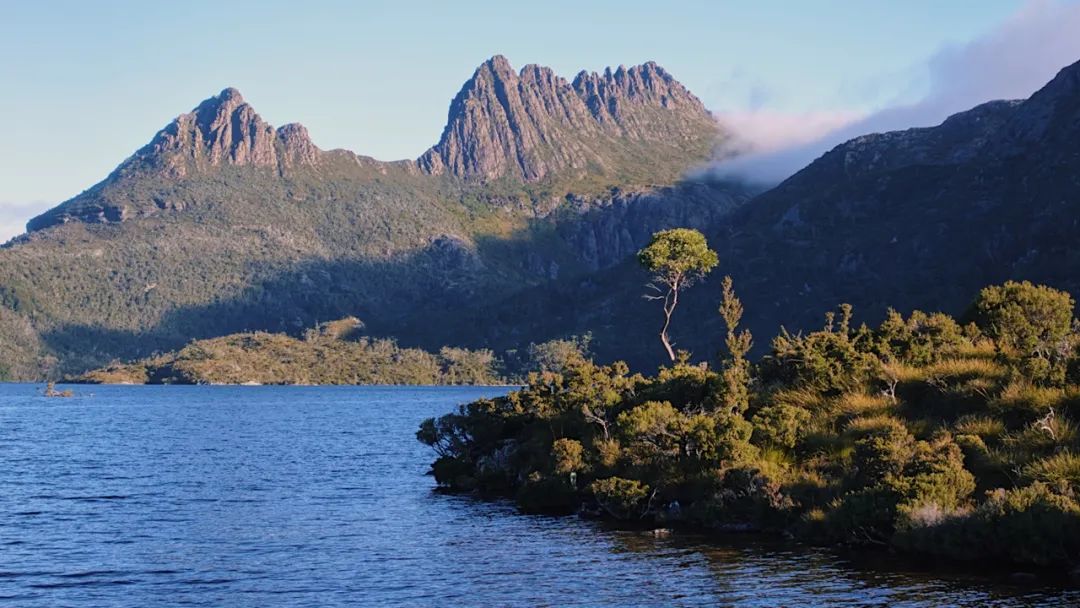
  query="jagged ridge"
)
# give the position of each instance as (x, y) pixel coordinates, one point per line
(632, 126)
(534, 124)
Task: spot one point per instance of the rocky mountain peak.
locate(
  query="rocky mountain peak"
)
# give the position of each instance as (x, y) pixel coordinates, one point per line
(533, 124)
(223, 130)
(296, 147)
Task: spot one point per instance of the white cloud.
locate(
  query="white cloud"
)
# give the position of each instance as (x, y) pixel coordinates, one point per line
(1010, 62)
(765, 130)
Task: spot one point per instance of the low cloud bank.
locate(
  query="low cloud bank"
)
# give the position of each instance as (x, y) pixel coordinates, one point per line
(1011, 62)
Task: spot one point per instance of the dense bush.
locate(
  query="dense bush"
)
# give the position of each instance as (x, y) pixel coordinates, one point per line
(919, 434)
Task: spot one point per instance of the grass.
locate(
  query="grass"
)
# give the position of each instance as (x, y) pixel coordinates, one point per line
(1026, 400)
(963, 369)
(805, 398)
(862, 404)
(1060, 469)
(984, 427)
(1042, 438)
(866, 425)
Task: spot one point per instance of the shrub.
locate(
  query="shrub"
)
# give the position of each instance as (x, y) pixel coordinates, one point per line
(920, 339)
(651, 431)
(1031, 525)
(780, 425)
(621, 498)
(608, 452)
(936, 475)
(566, 455)
(824, 361)
(1031, 319)
(883, 452)
(719, 439)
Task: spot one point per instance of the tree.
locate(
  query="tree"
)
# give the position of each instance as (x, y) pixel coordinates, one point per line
(736, 367)
(676, 258)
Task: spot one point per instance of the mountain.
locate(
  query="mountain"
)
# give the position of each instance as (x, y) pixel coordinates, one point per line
(534, 125)
(916, 219)
(520, 225)
(923, 218)
(223, 223)
(635, 126)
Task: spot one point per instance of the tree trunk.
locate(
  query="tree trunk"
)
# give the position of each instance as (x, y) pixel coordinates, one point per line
(667, 345)
(670, 301)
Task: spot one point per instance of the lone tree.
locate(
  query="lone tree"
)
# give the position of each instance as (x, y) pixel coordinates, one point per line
(676, 258)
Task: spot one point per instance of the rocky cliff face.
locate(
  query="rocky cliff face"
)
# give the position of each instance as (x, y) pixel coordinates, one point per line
(533, 124)
(605, 231)
(223, 130)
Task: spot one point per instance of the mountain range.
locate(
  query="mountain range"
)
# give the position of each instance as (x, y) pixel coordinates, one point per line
(520, 225)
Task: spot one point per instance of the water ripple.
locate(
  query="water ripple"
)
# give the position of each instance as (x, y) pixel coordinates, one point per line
(275, 496)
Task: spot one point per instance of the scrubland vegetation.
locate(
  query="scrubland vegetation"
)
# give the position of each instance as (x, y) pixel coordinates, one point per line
(332, 353)
(928, 434)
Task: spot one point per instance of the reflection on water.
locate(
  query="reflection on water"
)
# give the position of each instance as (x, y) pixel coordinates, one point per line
(284, 496)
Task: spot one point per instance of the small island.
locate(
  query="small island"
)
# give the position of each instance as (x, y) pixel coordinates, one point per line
(332, 353)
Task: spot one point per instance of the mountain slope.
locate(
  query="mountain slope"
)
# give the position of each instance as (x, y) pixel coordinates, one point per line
(223, 224)
(917, 219)
(923, 218)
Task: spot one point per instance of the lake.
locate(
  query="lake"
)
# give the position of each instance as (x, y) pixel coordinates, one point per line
(317, 496)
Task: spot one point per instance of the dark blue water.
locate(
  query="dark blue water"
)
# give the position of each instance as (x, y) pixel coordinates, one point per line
(305, 496)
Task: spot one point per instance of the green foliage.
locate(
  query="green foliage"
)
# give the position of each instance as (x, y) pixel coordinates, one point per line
(780, 425)
(621, 498)
(882, 452)
(1032, 319)
(678, 257)
(1034, 324)
(920, 339)
(735, 397)
(1032, 524)
(566, 455)
(1062, 470)
(917, 434)
(332, 353)
(827, 361)
(556, 355)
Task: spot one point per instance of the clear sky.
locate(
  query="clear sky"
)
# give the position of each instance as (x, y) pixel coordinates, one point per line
(87, 83)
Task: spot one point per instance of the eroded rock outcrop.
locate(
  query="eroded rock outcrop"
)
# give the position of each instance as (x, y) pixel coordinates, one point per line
(533, 124)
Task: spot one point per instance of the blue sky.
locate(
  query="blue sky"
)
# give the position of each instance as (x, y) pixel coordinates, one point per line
(87, 83)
